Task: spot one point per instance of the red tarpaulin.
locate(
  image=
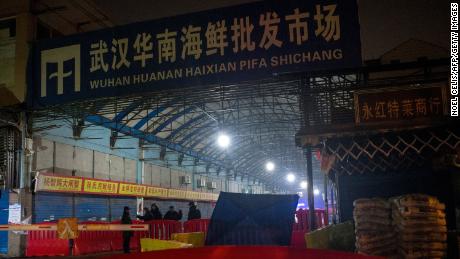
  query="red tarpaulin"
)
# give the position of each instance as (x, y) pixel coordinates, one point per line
(244, 252)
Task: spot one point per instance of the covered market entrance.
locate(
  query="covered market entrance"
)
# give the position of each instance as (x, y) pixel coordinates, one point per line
(259, 98)
(205, 107)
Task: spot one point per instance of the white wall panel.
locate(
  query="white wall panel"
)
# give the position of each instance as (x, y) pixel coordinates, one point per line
(156, 175)
(147, 174)
(64, 159)
(101, 165)
(83, 162)
(165, 177)
(117, 169)
(130, 170)
(43, 154)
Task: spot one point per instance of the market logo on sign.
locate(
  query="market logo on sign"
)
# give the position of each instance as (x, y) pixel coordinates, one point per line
(60, 67)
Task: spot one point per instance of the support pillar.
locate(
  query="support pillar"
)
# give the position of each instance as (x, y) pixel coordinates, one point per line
(311, 198)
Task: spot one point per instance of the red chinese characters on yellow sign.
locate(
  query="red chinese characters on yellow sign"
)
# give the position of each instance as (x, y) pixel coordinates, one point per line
(177, 194)
(69, 184)
(54, 183)
(95, 186)
(132, 189)
(156, 192)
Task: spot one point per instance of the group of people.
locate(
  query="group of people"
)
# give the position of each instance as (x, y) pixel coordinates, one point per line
(155, 214)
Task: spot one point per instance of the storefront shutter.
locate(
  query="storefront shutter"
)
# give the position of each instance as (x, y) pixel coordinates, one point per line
(52, 206)
(92, 208)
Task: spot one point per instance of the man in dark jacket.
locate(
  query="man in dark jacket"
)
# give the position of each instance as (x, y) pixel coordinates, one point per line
(172, 214)
(193, 212)
(126, 219)
(155, 211)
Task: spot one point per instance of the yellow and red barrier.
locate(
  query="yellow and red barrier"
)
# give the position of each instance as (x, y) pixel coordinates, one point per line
(94, 237)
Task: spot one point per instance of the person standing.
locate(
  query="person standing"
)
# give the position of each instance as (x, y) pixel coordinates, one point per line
(126, 219)
(172, 214)
(155, 212)
(193, 212)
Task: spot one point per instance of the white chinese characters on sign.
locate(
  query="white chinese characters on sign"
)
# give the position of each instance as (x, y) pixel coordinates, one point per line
(191, 42)
(97, 52)
(332, 28)
(270, 22)
(298, 28)
(120, 52)
(167, 46)
(143, 47)
(212, 39)
(216, 38)
(242, 29)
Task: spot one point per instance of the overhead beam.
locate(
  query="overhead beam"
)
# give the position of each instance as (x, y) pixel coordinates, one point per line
(185, 125)
(149, 137)
(172, 119)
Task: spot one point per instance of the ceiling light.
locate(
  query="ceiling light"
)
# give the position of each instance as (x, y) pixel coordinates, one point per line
(290, 177)
(270, 166)
(223, 141)
(316, 191)
(303, 185)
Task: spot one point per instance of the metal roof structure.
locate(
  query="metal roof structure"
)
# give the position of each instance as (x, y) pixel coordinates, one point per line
(261, 118)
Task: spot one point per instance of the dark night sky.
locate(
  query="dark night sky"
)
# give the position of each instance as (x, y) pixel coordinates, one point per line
(384, 23)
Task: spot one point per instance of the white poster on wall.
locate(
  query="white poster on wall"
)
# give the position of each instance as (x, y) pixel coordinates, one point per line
(14, 214)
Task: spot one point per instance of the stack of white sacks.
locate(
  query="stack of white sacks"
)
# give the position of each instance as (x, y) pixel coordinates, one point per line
(420, 226)
(373, 227)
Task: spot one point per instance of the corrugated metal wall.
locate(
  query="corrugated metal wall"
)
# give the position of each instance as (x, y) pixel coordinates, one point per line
(52, 206)
(92, 208)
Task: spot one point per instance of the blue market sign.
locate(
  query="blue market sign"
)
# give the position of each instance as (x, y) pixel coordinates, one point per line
(228, 45)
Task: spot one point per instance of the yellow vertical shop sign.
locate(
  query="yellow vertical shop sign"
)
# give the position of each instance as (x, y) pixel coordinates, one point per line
(156, 192)
(102, 187)
(132, 189)
(55, 183)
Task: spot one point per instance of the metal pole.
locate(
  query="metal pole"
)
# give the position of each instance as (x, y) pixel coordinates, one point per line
(326, 205)
(337, 198)
(311, 199)
(333, 205)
